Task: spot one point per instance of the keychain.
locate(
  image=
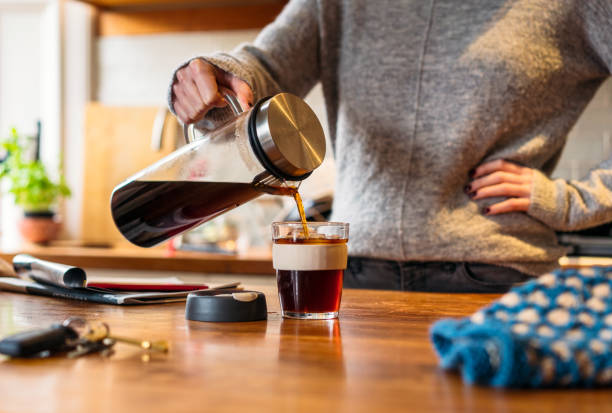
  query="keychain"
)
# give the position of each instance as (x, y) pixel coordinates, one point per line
(75, 336)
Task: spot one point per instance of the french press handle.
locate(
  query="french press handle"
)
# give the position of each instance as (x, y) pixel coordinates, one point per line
(233, 103)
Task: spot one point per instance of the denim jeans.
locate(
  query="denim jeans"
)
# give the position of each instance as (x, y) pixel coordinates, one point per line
(459, 277)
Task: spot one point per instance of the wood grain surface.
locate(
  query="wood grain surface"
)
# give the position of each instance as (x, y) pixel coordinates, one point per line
(375, 358)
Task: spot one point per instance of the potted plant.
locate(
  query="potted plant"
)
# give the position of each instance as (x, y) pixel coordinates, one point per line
(34, 191)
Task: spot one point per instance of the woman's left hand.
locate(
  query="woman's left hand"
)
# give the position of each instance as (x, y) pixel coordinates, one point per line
(501, 178)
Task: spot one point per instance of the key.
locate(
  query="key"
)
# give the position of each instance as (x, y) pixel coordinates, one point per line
(100, 332)
(38, 342)
(160, 345)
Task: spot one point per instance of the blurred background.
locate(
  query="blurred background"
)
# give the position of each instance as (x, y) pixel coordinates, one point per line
(95, 74)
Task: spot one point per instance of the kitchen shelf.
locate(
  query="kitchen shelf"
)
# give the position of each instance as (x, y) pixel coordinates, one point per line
(172, 4)
(155, 259)
(143, 17)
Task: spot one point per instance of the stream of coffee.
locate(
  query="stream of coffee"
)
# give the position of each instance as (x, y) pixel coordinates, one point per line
(293, 192)
(300, 207)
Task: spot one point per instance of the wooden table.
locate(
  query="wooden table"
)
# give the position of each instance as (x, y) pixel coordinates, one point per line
(377, 357)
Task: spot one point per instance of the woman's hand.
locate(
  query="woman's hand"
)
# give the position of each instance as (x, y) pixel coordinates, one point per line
(196, 90)
(501, 178)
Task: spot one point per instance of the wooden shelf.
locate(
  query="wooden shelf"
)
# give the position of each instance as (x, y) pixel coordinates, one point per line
(141, 17)
(155, 259)
(122, 23)
(171, 4)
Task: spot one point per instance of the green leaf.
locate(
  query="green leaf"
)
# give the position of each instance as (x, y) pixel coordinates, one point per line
(28, 180)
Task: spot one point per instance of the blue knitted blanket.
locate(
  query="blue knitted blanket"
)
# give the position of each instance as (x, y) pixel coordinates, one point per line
(555, 330)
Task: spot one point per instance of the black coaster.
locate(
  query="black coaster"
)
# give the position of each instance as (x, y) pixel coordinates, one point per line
(226, 306)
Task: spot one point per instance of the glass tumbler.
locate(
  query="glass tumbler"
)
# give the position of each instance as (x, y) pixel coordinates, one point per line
(309, 268)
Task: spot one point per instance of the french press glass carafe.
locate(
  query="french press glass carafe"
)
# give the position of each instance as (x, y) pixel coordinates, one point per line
(267, 149)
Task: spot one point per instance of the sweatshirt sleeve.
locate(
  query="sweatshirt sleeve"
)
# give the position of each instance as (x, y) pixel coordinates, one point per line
(284, 56)
(573, 205)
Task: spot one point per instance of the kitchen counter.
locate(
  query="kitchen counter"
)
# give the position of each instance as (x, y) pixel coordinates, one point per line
(375, 358)
(151, 259)
(584, 262)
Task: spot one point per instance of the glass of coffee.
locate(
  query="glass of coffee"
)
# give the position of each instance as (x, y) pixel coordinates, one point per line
(309, 263)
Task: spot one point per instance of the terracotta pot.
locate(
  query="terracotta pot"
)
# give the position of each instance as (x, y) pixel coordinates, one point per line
(39, 227)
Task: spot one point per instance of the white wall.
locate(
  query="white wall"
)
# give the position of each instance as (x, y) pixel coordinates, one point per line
(20, 57)
(78, 57)
(590, 141)
(19, 93)
(30, 85)
(135, 70)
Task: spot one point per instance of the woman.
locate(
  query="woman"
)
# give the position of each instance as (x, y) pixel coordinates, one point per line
(446, 119)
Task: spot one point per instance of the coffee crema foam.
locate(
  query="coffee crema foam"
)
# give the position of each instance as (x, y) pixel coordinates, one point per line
(304, 257)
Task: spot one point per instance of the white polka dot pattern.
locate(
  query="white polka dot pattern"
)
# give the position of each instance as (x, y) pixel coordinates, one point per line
(558, 317)
(510, 300)
(601, 290)
(528, 315)
(560, 325)
(567, 300)
(520, 328)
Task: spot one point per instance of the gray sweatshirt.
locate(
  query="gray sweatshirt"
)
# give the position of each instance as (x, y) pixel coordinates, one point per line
(420, 92)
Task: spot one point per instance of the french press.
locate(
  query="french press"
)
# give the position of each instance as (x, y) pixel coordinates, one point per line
(266, 149)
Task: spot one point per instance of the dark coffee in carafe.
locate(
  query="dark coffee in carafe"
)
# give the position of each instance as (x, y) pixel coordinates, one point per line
(150, 212)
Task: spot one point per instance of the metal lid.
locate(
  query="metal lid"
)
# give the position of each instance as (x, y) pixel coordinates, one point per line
(290, 135)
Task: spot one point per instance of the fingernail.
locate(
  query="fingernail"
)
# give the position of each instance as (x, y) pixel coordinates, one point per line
(472, 172)
(486, 210)
(467, 189)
